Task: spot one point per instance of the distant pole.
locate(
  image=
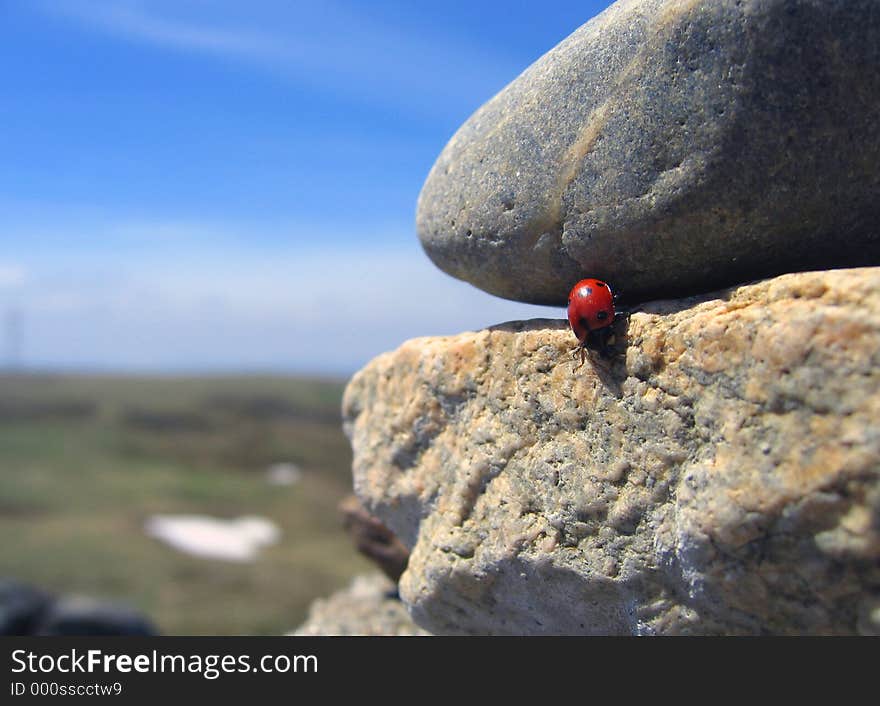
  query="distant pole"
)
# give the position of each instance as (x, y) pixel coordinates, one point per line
(14, 330)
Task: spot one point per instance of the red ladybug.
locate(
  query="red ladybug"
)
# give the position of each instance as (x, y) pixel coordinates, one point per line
(591, 313)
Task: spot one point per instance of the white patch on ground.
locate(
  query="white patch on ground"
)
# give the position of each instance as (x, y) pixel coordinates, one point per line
(239, 539)
(283, 474)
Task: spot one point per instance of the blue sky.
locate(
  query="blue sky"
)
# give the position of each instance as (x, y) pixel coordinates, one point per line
(194, 185)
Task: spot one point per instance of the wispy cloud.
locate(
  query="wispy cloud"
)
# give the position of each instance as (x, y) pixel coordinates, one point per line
(12, 275)
(178, 238)
(175, 303)
(316, 43)
(144, 22)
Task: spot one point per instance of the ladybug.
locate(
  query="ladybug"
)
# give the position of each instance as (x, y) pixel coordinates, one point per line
(591, 313)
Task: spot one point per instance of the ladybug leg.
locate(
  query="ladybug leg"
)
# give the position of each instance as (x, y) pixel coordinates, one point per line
(602, 341)
(608, 340)
(574, 352)
(621, 311)
(621, 323)
(582, 350)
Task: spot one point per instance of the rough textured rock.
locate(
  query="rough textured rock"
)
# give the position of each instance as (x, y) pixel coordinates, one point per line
(720, 474)
(670, 147)
(368, 607)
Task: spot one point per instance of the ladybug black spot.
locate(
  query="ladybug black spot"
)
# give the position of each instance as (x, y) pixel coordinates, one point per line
(601, 284)
(602, 315)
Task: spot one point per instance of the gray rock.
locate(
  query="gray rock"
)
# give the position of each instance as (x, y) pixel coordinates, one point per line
(369, 606)
(719, 474)
(81, 615)
(21, 607)
(670, 147)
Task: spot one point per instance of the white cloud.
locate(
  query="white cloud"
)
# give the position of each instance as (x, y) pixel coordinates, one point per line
(12, 275)
(134, 20)
(290, 308)
(319, 43)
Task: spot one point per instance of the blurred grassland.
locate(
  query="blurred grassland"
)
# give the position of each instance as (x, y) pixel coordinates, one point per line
(85, 460)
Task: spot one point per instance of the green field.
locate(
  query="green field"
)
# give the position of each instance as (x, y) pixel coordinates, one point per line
(84, 461)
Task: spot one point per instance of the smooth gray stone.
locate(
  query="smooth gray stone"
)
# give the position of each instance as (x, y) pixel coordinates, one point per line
(78, 615)
(21, 607)
(670, 147)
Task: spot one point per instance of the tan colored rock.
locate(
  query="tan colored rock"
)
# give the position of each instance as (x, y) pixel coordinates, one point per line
(720, 474)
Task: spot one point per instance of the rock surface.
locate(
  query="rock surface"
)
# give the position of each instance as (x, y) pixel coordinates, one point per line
(367, 607)
(719, 474)
(672, 147)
